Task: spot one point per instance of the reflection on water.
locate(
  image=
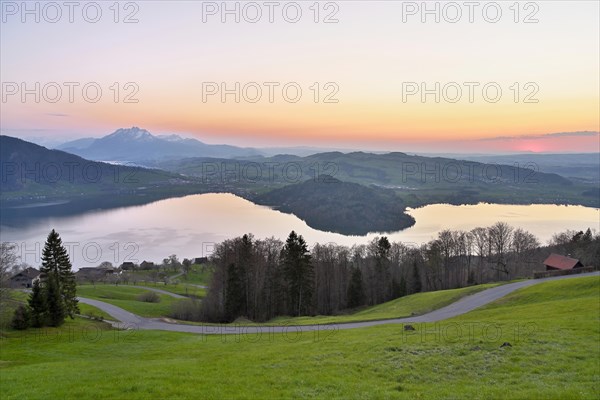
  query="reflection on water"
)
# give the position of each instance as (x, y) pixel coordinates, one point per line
(189, 227)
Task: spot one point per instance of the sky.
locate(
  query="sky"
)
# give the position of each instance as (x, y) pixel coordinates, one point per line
(378, 75)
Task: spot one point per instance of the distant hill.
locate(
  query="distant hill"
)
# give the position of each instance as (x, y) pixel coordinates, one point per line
(135, 144)
(329, 204)
(418, 180)
(583, 167)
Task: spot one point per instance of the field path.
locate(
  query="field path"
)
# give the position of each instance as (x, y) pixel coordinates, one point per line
(131, 321)
(161, 291)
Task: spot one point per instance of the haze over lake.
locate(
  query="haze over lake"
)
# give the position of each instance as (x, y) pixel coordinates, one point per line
(189, 226)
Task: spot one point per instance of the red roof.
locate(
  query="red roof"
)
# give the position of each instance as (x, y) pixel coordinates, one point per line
(560, 262)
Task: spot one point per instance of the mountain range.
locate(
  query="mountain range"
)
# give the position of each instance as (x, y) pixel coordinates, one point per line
(136, 144)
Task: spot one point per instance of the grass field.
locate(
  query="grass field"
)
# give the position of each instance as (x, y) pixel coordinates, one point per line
(553, 328)
(18, 297)
(126, 298)
(415, 304)
(182, 289)
(198, 276)
(93, 312)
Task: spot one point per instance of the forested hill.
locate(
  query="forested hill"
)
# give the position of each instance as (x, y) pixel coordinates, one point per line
(32, 172)
(418, 180)
(329, 204)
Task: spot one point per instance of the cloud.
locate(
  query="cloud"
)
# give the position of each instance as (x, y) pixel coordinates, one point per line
(543, 136)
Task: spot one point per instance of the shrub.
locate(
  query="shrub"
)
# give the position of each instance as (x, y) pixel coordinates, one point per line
(149, 297)
(20, 319)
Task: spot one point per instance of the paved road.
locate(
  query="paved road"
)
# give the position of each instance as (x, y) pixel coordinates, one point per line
(462, 306)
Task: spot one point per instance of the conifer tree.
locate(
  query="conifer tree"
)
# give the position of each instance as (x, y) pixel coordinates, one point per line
(234, 297)
(56, 305)
(38, 307)
(299, 274)
(416, 284)
(56, 270)
(356, 291)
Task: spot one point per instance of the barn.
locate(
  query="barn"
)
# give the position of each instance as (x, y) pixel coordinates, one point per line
(557, 262)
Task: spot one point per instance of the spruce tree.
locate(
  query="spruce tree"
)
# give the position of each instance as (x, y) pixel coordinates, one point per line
(56, 263)
(403, 290)
(38, 306)
(299, 274)
(234, 297)
(56, 305)
(356, 291)
(416, 284)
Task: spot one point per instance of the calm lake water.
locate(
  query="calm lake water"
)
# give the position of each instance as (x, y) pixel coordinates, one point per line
(190, 226)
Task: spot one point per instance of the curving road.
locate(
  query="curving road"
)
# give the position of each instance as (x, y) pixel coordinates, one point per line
(131, 321)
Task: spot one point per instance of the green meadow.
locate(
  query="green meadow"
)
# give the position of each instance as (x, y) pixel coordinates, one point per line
(127, 298)
(414, 304)
(553, 329)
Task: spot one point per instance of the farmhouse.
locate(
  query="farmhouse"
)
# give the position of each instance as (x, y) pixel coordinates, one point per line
(92, 273)
(200, 260)
(146, 265)
(127, 265)
(557, 262)
(25, 278)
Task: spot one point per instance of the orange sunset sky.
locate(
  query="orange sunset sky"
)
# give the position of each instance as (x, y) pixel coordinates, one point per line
(373, 63)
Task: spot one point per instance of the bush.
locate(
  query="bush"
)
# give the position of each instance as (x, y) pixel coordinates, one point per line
(20, 319)
(149, 297)
(187, 310)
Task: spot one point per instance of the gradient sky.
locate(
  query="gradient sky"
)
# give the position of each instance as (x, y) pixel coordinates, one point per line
(369, 54)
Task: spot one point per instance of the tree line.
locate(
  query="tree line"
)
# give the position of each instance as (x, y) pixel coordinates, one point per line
(263, 279)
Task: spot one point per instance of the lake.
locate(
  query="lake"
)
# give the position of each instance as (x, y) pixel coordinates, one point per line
(190, 226)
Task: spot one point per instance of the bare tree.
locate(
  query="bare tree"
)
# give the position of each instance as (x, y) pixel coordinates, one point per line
(501, 235)
(523, 244)
(8, 261)
(481, 245)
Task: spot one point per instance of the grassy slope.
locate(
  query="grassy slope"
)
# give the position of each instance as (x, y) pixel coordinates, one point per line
(126, 298)
(198, 276)
(554, 355)
(182, 289)
(19, 297)
(415, 304)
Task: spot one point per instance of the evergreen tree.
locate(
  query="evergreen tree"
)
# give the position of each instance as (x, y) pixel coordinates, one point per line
(234, 297)
(403, 291)
(416, 284)
(56, 305)
(356, 291)
(383, 291)
(56, 263)
(244, 269)
(20, 319)
(37, 306)
(299, 274)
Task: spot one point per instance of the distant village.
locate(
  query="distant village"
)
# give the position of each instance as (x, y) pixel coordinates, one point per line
(108, 273)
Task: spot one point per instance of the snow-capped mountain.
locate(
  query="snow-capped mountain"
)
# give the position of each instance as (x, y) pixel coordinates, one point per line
(136, 144)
